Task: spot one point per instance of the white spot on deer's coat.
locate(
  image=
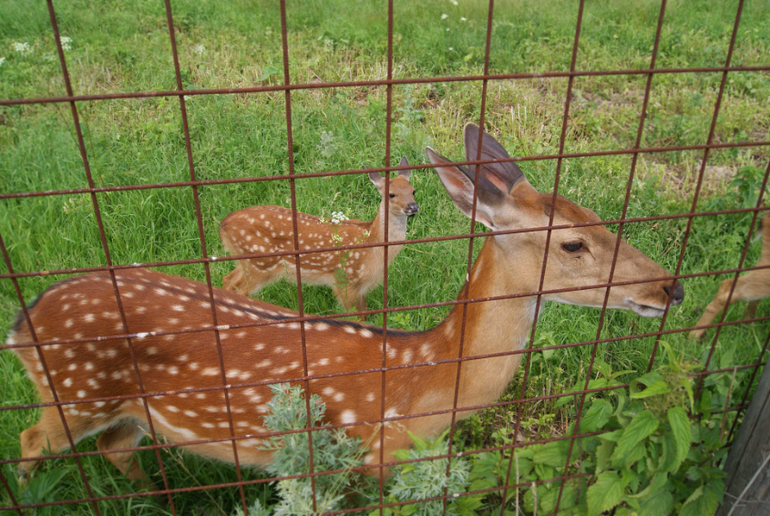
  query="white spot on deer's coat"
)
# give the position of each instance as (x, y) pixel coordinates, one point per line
(67, 382)
(210, 371)
(348, 416)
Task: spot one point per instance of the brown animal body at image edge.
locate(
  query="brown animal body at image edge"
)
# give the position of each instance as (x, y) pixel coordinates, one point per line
(350, 273)
(752, 287)
(85, 306)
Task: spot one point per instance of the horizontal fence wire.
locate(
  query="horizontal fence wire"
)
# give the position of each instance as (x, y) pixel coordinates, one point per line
(463, 302)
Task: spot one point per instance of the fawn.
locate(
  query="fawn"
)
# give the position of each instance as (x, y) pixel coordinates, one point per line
(751, 287)
(350, 354)
(350, 273)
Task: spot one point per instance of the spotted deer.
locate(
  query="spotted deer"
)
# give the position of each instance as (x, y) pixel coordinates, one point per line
(261, 344)
(751, 287)
(350, 273)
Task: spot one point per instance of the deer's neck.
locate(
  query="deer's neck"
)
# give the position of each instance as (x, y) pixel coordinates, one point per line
(492, 326)
(396, 230)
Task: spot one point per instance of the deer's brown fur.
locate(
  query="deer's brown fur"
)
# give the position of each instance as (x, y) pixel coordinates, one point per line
(509, 264)
(752, 287)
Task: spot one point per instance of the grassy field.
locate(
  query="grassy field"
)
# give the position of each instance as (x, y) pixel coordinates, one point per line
(117, 47)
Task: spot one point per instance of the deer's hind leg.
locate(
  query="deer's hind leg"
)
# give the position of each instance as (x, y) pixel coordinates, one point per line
(125, 434)
(49, 436)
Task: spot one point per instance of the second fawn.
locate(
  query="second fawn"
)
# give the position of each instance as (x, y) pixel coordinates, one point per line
(186, 383)
(751, 287)
(350, 273)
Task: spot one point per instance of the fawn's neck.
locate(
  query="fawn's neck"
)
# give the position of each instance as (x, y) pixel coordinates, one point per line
(396, 229)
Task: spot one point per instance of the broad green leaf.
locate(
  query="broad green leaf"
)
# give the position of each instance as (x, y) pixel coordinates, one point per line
(596, 416)
(645, 380)
(552, 454)
(641, 426)
(658, 481)
(704, 504)
(658, 503)
(613, 436)
(604, 494)
(659, 387)
(680, 428)
(687, 384)
(603, 453)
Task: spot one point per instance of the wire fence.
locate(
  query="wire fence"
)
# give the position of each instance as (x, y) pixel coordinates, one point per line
(302, 317)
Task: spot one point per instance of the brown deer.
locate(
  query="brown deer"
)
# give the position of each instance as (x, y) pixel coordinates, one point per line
(85, 308)
(350, 273)
(751, 287)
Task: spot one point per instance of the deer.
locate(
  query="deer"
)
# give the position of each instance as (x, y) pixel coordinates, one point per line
(261, 344)
(350, 273)
(752, 287)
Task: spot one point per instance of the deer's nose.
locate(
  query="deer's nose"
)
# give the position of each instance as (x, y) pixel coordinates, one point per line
(678, 296)
(411, 208)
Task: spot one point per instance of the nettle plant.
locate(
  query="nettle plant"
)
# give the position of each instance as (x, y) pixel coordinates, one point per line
(653, 458)
(658, 451)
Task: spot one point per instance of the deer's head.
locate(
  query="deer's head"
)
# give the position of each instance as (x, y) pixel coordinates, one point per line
(400, 193)
(577, 256)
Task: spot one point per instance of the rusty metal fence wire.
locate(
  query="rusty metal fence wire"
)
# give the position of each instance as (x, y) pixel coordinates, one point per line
(288, 88)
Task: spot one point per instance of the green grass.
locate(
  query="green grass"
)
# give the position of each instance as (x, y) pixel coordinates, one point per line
(119, 48)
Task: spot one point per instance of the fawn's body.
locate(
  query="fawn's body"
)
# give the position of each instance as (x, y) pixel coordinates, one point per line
(508, 264)
(350, 273)
(752, 287)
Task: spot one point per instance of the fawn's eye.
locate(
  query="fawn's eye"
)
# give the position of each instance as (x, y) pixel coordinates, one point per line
(392, 196)
(572, 247)
(414, 192)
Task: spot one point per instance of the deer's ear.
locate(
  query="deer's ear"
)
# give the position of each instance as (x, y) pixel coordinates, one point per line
(504, 175)
(404, 173)
(377, 179)
(458, 182)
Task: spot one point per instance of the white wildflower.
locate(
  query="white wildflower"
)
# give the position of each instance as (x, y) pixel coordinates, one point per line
(447, 29)
(338, 216)
(65, 43)
(454, 2)
(451, 48)
(444, 16)
(2, 60)
(463, 18)
(22, 48)
(199, 49)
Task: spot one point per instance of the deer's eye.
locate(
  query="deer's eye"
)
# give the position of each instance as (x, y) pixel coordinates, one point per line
(414, 192)
(392, 196)
(572, 247)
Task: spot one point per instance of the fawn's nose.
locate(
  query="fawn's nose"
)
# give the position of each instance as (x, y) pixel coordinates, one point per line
(678, 296)
(411, 208)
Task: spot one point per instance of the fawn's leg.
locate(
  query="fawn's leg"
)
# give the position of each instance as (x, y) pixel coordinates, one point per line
(751, 310)
(745, 289)
(49, 436)
(233, 280)
(125, 434)
(351, 298)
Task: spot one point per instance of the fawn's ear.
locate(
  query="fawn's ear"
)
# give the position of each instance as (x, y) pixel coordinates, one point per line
(377, 179)
(404, 173)
(506, 175)
(458, 182)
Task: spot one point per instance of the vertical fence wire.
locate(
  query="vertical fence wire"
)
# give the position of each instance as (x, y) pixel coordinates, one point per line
(287, 87)
(469, 263)
(699, 183)
(539, 299)
(386, 237)
(624, 211)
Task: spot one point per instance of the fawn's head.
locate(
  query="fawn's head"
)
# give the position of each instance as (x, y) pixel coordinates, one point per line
(577, 256)
(400, 192)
